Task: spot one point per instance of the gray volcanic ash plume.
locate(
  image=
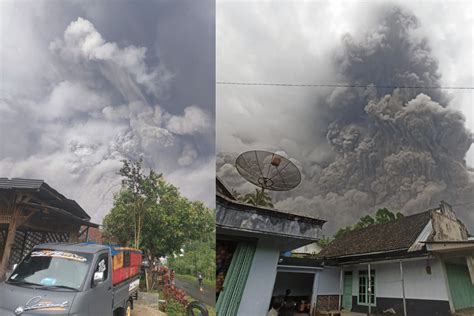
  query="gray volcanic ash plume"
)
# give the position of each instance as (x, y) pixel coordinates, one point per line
(403, 149)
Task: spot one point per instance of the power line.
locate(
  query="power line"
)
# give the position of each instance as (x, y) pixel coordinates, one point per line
(462, 204)
(282, 84)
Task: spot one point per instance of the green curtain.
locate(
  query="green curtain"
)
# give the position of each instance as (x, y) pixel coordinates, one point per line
(235, 280)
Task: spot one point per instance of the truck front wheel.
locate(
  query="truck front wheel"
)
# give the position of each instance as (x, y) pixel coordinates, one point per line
(128, 309)
(124, 311)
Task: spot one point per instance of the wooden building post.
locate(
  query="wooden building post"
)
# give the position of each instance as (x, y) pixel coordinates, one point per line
(74, 234)
(10, 240)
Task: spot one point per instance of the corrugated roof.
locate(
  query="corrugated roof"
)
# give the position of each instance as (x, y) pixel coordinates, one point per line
(45, 193)
(395, 235)
(18, 183)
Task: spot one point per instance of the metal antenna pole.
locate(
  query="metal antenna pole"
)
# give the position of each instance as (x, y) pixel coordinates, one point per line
(403, 289)
(260, 197)
(369, 291)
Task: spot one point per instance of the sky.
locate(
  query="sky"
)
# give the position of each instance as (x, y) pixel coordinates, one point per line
(86, 84)
(358, 149)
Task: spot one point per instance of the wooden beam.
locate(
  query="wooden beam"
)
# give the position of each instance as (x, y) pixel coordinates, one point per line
(6, 219)
(25, 218)
(55, 209)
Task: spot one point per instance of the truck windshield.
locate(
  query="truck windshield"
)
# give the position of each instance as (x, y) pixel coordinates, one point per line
(52, 269)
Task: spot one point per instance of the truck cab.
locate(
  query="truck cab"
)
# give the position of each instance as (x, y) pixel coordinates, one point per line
(67, 279)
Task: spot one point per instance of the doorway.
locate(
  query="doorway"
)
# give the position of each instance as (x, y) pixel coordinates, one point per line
(347, 291)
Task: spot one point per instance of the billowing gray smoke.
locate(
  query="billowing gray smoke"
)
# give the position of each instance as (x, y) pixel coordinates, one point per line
(403, 149)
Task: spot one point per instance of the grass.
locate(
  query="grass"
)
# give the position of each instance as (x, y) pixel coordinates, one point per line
(211, 310)
(193, 279)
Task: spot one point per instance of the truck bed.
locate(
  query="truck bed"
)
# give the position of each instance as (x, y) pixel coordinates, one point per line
(124, 290)
(126, 264)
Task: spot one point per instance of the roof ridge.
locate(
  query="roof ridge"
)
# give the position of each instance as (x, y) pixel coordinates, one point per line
(389, 222)
(396, 234)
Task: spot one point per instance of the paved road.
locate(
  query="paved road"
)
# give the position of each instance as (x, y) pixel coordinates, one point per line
(208, 295)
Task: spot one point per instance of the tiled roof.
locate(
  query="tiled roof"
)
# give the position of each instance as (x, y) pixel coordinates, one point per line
(395, 235)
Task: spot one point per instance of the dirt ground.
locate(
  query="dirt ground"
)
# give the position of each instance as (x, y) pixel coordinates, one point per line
(143, 310)
(147, 305)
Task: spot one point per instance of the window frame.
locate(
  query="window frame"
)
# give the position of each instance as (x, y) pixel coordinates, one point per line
(107, 273)
(363, 274)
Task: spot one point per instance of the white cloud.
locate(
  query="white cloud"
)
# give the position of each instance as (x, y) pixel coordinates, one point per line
(188, 155)
(81, 41)
(68, 99)
(85, 105)
(194, 120)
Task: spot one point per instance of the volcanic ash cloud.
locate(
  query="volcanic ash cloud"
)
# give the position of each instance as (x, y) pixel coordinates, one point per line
(398, 148)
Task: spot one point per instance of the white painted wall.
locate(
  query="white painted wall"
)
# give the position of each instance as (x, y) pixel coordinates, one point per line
(418, 284)
(300, 284)
(329, 280)
(259, 287)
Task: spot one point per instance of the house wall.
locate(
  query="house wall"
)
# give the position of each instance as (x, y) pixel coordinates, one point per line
(329, 280)
(447, 227)
(426, 294)
(260, 281)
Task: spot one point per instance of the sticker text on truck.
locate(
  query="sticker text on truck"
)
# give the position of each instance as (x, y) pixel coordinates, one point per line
(58, 254)
(35, 303)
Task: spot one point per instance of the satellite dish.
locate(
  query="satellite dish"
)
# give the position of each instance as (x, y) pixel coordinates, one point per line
(268, 170)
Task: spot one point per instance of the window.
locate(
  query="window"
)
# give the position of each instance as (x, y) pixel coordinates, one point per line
(126, 259)
(52, 268)
(366, 291)
(103, 265)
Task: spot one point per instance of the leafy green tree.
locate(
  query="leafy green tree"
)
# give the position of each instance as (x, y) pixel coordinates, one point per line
(167, 224)
(258, 198)
(197, 257)
(236, 194)
(324, 241)
(140, 193)
(382, 215)
(364, 222)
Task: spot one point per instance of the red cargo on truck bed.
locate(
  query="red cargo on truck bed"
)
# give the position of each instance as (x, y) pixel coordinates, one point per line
(126, 264)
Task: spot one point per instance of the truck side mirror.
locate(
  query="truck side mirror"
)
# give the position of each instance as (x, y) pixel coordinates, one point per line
(98, 278)
(10, 272)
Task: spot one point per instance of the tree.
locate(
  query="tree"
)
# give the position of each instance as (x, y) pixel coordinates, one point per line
(236, 194)
(140, 192)
(151, 215)
(167, 224)
(258, 198)
(198, 256)
(324, 241)
(382, 215)
(364, 222)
